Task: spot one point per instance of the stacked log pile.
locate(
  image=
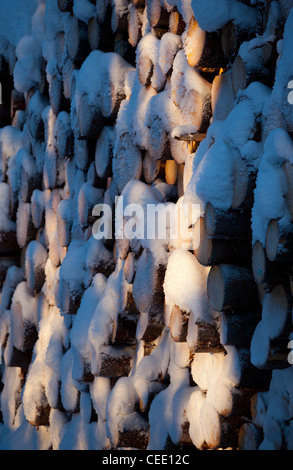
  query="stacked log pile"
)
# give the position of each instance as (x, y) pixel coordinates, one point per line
(147, 342)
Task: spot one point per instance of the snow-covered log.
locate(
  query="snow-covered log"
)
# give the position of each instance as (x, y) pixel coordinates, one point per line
(113, 84)
(148, 295)
(57, 99)
(245, 374)
(17, 102)
(76, 38)
(134, 24)
(124, 331)
(157, 15)
(244, 181)
(35, 260)
(179, 325)
(176, 23)
(25, 229)
(237, 327)
(232, 223)
(191, 92)
(279, 241)
(276, 313)
(127, 162)
(88, 197)
(24, 324)
(116, 361)
(158, 141)
(94, 32)
(203, 50)
(104, 152)
(231, 286)
(223, 96)
(212, 251)
(29, 178)
(151, 168)
(268, 354)
(90, 119)
(63, 135)
(266, 271)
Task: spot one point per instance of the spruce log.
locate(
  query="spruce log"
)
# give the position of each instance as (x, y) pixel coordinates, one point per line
(230, 224)
(63, 135)
(151, 168)
(116, 361)
(244, 181)
(113, 85)
(133, 432)
(266, 271)
(90, 119)
(119, 16)
(179, 324)
(35, 261)
(176, 22)
(17, 102)
(29, 180)
(268, 354)
(279, 241)
(207, 338)
(223, 96)
(104, 152)
(158, 17)
(70, 293)
(134, 24)
(42, 411)
(76, 39)
(83, 153)
(129, 267)
(24, 332)
(202, 49)
(25, 229)
(57, 98)
(231, 38)
(219, 251)
(68, 70)
(64, 222)
(237, 327)
(247, 71)
(231, 286)
(126, 163)
(277, 313)
(94, 32)
(242, 372)
(148, 294)
(88, 197)
(158, 142)
(196, 109)
(124, 331)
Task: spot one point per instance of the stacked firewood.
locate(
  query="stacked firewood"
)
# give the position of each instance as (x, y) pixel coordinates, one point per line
(144, 342)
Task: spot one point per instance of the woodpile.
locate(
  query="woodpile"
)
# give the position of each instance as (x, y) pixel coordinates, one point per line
(132, 335)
